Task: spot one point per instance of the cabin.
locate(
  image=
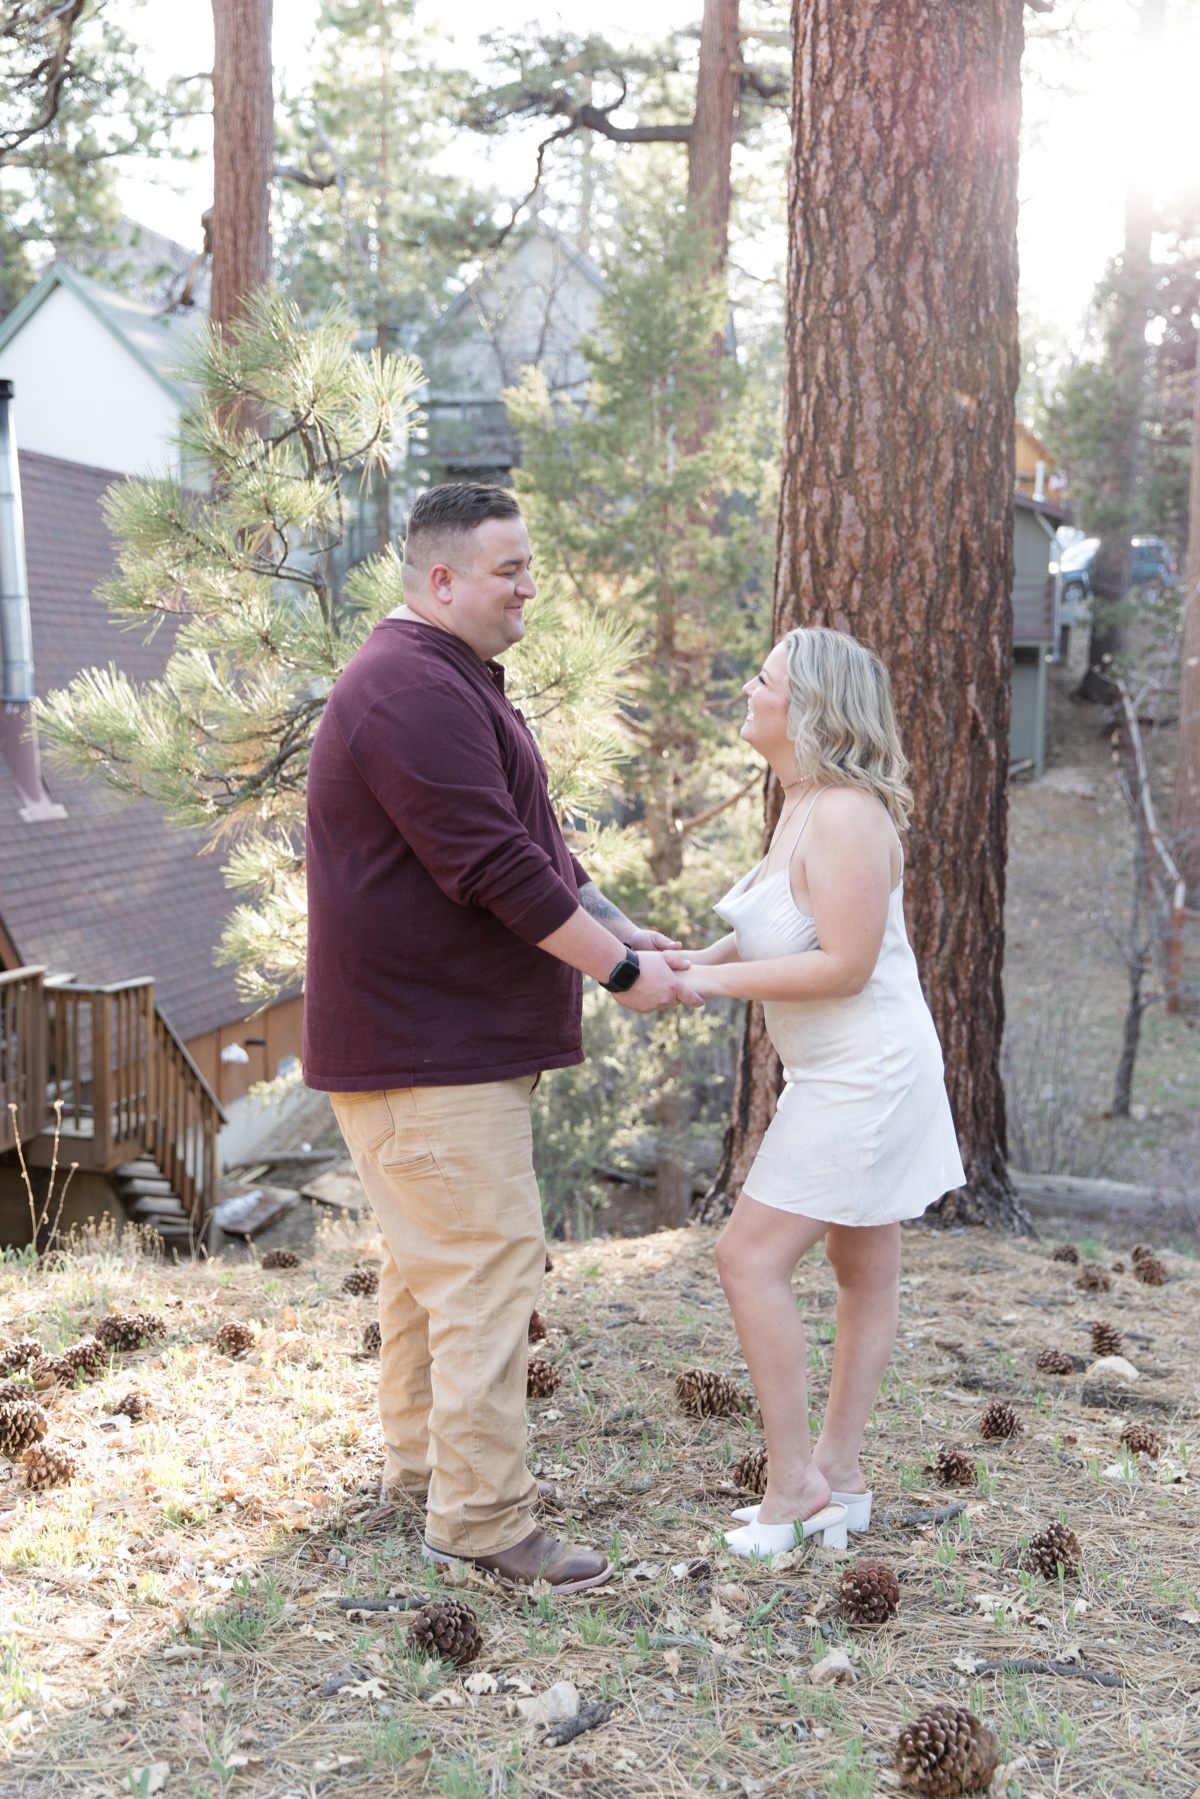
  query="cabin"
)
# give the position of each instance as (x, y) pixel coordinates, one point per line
(1035, 603)
(111, 1001)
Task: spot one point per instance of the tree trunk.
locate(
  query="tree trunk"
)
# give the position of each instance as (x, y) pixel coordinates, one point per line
(714, 123)
(1130, 1036)
(243, 154)
(1185, 807)
(1118, 494)
(895, 518)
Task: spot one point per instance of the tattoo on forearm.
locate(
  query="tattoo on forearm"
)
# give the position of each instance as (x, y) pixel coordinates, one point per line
(596, 906)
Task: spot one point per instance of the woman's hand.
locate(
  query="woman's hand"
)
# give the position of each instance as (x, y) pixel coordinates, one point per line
(703, 978)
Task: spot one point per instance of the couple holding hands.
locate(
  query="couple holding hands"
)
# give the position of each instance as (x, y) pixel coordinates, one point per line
(449, 928)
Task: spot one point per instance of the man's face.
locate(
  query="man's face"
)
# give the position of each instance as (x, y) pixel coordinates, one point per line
(481, 597)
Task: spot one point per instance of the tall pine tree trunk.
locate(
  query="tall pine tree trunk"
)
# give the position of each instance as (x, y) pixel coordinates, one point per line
(1117, 497)
(895, 519)
(714, 122)
(243, 154)
(1185, 807)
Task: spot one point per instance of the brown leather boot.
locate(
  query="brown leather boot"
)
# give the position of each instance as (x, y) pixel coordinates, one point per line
(539, 1557)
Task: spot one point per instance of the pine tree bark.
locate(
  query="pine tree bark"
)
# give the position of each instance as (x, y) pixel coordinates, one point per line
(895, 519)
(714, 122)
(243, 154)
(1185, 805)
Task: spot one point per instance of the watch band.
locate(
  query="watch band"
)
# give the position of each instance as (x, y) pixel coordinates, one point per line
(624, 974)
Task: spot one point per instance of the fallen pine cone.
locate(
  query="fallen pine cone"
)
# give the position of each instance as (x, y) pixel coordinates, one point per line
(447, 1629)
(48, 1467)
(11, 1390)
(51, 1371)
(19, 1355)
(1118, 1267)
(1052, 1548)
(541, 1379)
(1139, 1439)
(130, 1330)
(945, 1752)
(281, 1258)
(749, 1472)
(1092, 1278)
(955, 1468)
(998, 1421)
(1139, 1252)
(133, 1405)
(538, 1328)
(22, 1423)
(234, 1339)
(703, 1393)
(372, 1338)
(1053, 1361)
(869, 1592)
(1151, 1271)
(88, 1358)
(1106, 1339)
(1065, 1252)
(362, 1283)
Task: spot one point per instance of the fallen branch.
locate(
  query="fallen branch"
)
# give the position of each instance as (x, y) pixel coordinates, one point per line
(379, 1605)
(942, 1516)
(590, 1718)
(1071, 1670)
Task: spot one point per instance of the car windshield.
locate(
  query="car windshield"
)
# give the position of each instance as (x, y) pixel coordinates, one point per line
(1079, 553)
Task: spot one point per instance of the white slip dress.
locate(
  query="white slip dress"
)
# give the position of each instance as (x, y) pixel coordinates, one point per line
(863, 1132)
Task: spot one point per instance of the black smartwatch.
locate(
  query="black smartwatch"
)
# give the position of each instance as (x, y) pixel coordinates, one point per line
(624, 974)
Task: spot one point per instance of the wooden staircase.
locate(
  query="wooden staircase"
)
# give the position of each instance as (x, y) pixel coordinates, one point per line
(134, 1105)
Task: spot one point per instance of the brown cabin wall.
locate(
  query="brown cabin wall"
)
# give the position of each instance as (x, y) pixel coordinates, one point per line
(90, 1195)
(281, 1029)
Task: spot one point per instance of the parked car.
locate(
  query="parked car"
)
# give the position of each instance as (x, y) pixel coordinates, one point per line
(1153, 570)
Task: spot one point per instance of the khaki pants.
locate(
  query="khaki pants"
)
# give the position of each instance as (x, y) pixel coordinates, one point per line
(449, 1175)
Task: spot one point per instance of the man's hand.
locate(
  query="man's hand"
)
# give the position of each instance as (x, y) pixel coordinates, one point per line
(640, 940)
(658, 985)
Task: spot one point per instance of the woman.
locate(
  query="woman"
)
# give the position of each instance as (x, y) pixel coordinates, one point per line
(863, 1136)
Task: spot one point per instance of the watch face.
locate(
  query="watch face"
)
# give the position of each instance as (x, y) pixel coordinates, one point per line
(624, 974)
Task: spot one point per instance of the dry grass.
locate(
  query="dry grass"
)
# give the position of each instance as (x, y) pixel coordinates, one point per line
(178, 1605)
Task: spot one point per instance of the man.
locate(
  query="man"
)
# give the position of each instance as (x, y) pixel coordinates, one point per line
(448, 927)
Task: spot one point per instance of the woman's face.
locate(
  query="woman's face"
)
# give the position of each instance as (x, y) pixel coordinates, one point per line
(766, 694)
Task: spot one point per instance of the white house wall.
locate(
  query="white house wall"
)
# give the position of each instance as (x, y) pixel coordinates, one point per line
(81, 396)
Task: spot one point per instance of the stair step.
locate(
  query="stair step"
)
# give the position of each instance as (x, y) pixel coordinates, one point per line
(141, 1165)
(141, 1188)
(166, 1207)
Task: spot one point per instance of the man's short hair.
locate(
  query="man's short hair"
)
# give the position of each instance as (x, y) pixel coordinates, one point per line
(443, 516)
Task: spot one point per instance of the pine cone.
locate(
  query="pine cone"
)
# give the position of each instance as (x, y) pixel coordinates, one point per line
(999, 1420)
(1052, 1546)
(955, 1468)
(703, 1393)
(1118, 1267)
(362, 1283)
(11, 1390)
(48, 1467)
(88, 1358)
(946, 1751)
(372, 1338)
(1139, 1252)
(869, 1593)
(281, 1258)
(538, 1328)
(1053, 1361)
(21, 1423)
(1106, 1339)
(541, 1379)
(447, 1629)
(1139, 1439)
(133, 1405)
(124, 1331)
(1065, 1252)
(749, 1472)
(18, 1355)
(1093, 1279)
(234, 1339)
(51, 1371)
(1151, 1271)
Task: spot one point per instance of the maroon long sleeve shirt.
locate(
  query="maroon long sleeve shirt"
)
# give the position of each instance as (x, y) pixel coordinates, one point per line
(435, 867)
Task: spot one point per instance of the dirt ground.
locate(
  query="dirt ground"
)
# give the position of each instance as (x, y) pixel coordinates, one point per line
(1069, 884)
(172, 1620)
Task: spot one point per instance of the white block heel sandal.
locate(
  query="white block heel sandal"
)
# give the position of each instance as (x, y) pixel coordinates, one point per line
(828, 1526)
(858, 1511)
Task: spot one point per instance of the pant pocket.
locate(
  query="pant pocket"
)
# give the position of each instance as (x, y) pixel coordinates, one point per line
(364, 1119)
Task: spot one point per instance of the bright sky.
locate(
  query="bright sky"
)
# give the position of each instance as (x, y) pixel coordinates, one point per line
(1085, 134)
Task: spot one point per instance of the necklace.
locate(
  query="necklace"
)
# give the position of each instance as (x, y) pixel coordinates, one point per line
(791, 786)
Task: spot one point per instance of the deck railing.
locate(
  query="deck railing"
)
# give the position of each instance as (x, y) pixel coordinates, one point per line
(22, 1054)
(183, 1126)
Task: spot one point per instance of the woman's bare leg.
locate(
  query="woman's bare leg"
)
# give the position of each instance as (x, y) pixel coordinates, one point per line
(866, 1260)
(757, 1253)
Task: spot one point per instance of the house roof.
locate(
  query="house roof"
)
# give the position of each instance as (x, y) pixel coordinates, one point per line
(576, 259)
(108, 892)
(158, 341)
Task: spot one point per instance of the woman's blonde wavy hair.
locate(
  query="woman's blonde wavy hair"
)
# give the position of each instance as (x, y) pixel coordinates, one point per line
(841, 719)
